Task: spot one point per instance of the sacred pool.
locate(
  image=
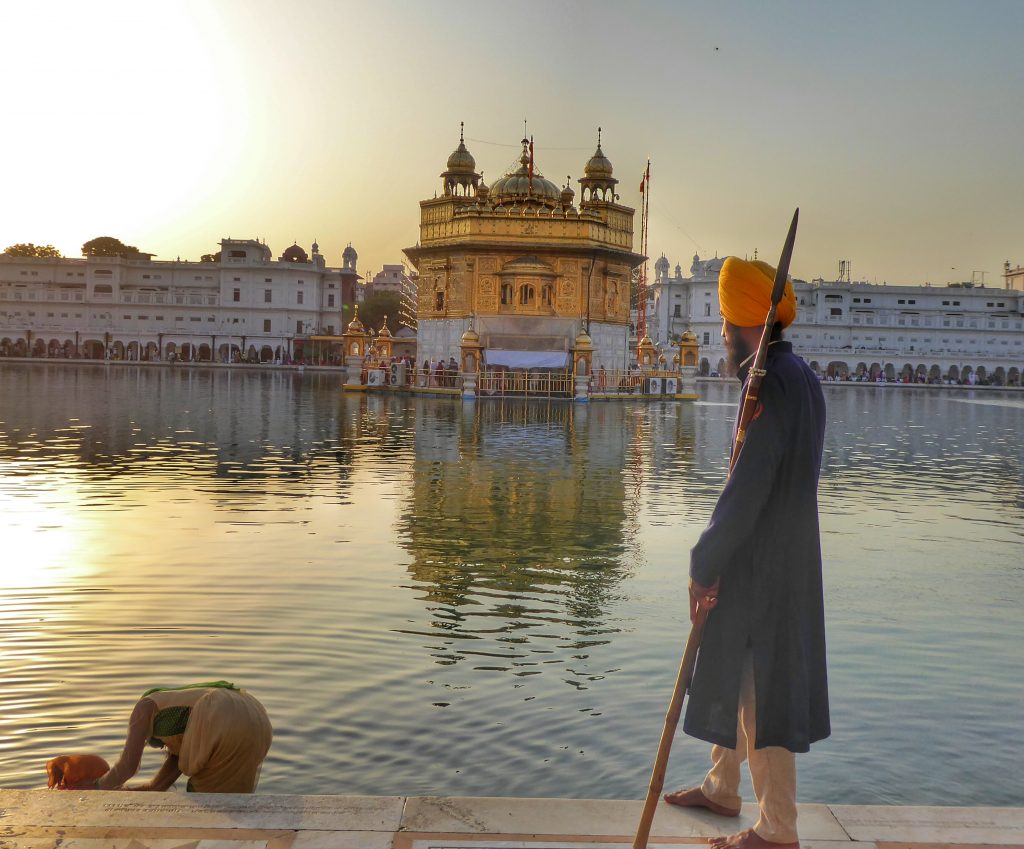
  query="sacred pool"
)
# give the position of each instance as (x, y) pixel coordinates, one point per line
(488, 599)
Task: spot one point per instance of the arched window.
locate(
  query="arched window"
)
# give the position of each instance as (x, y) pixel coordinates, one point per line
(547, 295)
(506, 294)
(527, 295)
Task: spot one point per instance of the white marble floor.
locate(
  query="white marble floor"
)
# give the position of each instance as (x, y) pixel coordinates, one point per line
(39, 819)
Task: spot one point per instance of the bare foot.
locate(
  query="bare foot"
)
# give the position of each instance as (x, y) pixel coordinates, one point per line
(693, 797)
(748, 839)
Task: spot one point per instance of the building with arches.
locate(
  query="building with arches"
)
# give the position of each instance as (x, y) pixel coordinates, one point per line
(523, 264)
(959, 332)
(241, 304)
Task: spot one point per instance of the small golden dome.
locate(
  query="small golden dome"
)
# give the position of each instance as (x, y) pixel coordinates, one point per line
(461, 159)
(567, 193)
(583, 341)
(688, 337)
(384, 332)
(356, 326)
(470, 337)
(598, 166)
(645, 342)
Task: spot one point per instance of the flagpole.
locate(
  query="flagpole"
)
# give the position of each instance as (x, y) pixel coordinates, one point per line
(531, 166)
(645, 185)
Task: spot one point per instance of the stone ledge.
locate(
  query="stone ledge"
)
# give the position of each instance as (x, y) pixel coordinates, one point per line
(38, 819)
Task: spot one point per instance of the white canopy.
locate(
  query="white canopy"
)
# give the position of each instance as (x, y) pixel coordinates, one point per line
(526, 359)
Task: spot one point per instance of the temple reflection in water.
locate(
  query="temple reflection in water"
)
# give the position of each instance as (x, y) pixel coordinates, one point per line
(518, 524)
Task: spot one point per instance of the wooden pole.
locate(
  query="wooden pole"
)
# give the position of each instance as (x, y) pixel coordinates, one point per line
(675, 709)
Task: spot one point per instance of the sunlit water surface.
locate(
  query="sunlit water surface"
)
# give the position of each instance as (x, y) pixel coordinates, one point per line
(488, 599)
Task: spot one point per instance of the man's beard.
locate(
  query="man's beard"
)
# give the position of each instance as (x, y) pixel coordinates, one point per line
(738, 352)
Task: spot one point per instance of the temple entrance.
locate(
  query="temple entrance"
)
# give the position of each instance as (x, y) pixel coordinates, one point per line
(525, 374)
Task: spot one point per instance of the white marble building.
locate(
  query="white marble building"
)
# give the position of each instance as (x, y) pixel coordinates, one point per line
(244, 301)
(935, 333)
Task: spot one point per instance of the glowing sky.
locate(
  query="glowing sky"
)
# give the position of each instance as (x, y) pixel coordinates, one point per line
(897, 127)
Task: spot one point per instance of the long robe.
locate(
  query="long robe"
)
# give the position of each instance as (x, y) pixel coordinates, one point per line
(763, 544)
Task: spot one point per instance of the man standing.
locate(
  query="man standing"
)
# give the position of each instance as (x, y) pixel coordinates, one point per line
(760, 691)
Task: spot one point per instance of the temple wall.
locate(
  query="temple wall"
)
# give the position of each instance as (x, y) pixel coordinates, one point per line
(611, 345)
(439, 338)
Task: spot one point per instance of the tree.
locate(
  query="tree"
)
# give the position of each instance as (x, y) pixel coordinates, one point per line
(109, 246)
(28, 249)
(375, 307)
(210, 257)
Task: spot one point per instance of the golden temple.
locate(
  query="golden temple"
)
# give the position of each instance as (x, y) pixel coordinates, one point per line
(523, 265)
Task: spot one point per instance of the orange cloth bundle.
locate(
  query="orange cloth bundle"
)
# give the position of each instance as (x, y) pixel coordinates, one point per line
(745, 294)
(75, 772)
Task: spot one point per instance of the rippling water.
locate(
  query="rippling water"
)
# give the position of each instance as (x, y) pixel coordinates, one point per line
(488, 599)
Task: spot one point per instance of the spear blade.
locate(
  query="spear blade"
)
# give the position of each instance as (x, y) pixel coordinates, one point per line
(787, 253)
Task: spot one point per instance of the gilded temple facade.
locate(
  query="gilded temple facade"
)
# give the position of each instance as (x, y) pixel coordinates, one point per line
(524, 265)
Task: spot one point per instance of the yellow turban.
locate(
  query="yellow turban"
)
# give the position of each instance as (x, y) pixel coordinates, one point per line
(745, 294)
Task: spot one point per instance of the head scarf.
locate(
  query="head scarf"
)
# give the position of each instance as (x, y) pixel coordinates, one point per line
(745, 294)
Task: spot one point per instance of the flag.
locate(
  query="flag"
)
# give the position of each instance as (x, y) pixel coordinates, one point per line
(646, 178)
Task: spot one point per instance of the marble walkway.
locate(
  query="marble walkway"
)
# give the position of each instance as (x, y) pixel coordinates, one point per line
(40, 819)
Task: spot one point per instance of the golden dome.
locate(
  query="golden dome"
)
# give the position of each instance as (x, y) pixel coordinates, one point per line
(567, 193)
(461, 160)
(583, 341)
(688, 337)
(517, 185)
(470, 337)
(355, 325)
(598, 166)
(384, 332)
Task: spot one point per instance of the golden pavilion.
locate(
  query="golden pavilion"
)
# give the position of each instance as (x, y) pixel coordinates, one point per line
(524, 265)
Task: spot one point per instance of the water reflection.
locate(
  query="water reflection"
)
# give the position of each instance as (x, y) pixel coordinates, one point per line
(517, 524)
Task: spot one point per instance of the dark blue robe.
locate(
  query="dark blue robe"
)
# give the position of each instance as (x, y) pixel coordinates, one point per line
(763, 543)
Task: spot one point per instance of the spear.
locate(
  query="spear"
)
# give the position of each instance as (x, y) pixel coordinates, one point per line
(689, 662)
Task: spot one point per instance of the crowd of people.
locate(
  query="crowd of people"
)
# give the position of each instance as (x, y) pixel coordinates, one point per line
(970, 379)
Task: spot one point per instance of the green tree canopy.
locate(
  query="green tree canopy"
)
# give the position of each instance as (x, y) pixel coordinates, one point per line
(28, 249)
(375, 307)
(109, 246)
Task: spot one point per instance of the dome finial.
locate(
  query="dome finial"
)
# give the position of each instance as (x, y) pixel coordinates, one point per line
(599, 137)
(462, 126)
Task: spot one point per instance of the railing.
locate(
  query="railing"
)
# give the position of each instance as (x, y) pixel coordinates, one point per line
(525, 384)
(616, 382)
(433, 378)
